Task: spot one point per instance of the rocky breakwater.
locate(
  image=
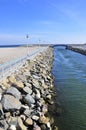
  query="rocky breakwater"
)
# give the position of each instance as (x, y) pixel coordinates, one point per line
(25, 95)
(77, 48)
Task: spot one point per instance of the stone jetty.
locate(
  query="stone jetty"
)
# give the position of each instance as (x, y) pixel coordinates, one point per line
(78, 48)
(26, 95)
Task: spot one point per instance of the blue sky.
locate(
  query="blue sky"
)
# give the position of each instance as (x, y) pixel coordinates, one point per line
(47, 21)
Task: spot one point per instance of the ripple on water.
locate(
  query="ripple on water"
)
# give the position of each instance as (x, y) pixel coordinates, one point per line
(69, 69)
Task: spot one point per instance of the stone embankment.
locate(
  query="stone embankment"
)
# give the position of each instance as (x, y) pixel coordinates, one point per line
(77, 48)
(26, 94)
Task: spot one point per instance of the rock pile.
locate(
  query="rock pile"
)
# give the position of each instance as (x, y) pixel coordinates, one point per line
(25, 95)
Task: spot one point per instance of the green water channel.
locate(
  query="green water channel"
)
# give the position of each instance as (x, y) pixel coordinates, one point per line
(69, 70)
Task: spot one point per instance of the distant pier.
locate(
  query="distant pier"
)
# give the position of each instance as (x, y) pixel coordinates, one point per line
(77, 48)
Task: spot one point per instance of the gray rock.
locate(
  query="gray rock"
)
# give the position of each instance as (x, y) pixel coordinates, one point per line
(3, 124)
(36, 77)
(1, 111)
(0, 93)
(29, 99)
(43, 127)
(27, 90)
(14, 91)
(27, 112)
(10, 103)
(0, 96)
(13, 121)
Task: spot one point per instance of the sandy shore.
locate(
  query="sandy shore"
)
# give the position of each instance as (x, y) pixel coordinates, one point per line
(7, 54)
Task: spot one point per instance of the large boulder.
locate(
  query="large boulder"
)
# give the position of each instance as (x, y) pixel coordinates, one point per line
(27, 90)
(14, 91)
(29, 99)
(9, 102)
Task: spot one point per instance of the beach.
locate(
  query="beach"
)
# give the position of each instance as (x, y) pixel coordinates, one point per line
(7, 54)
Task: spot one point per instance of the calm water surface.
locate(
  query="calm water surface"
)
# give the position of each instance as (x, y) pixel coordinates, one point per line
(69, 69)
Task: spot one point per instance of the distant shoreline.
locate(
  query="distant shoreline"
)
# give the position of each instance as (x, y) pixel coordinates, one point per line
(77, 48)
(7, 46)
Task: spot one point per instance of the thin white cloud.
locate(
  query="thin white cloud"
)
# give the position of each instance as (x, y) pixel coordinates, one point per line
(70, 11)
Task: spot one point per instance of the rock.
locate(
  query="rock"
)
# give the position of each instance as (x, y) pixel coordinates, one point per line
(51, 120)
(27, 112)
(44, 72)
(12, 121)
(19, 85)
(7, 114)
(14, 91)
(3, 124)
(34, 117)
(10, 103)
(26, 74)
(36, 84)
(28, 85)
(48, 97)
(23, 117)
(36, 77)
(50, 102)
(28, 121)
(49, 126)
(12, 127)
(36, 127)
(0, 96)
(1, 111)
(21, 77)
(0, 93)
(25, 106)
(38, 95)
(21, 126)
(27, 90)
(42, 81)
(43, 119)
(5, 84)
(12, 79)
(29, 99)
(44, 86)
(43, 127)
(44, 108)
